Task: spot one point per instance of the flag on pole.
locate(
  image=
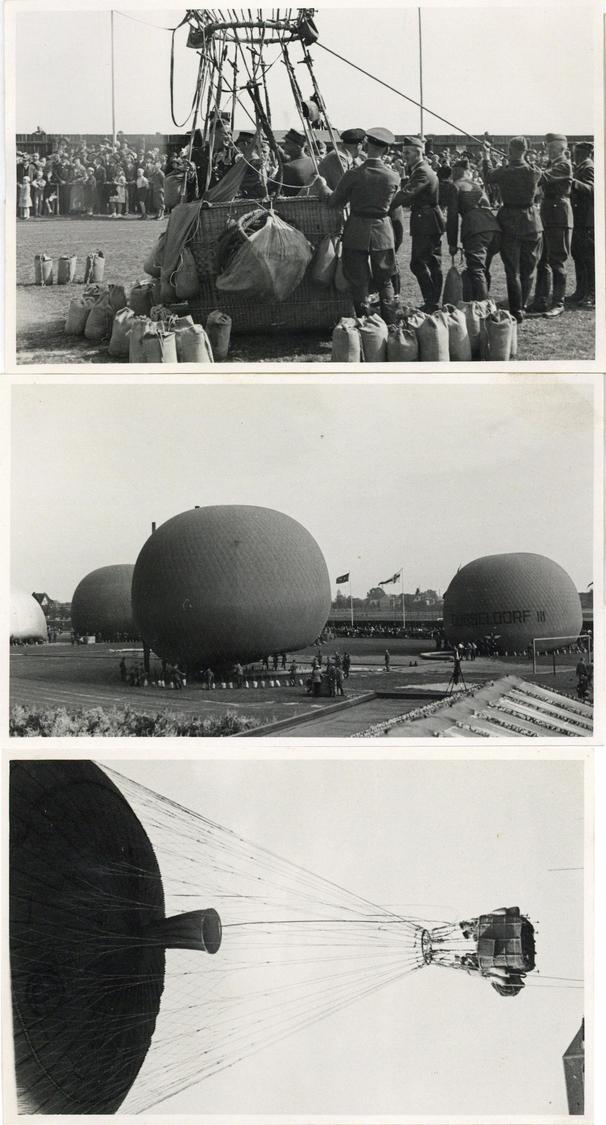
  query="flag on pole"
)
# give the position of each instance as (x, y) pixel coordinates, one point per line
(388, 581)
(343, 578)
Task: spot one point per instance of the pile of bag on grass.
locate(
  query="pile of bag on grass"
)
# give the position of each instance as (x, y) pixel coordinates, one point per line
(67, 264)
(472, 330)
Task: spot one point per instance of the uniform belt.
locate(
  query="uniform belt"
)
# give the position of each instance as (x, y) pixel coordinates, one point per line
(369, 215)
(519, 206)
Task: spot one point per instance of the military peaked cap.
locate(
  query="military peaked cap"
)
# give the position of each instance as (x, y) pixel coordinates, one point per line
(585, 146)
(353, 136)
(519, 144)
(296, 137)
(549, 137)
(413, 142)
(380, 136)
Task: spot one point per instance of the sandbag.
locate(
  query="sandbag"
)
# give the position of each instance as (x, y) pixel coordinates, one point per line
(432, 335)
(95, 266)
(138, 328)
(153, 262)
(453, 287)
(270, 263)
(414, 319)
(459, 344)
(100, 319)
(43, 269)
(77, 315)
(402, 344)
(324, 264)
(193, 345)
(66, 269)
(182, 322)
(159, 346)
(499, 336)
(472, 313)
(373, 338)
(339, 280)
(119, 345)
(185, 279)
(117, 297)
(218, 327)
(141, 298)
(346, 344)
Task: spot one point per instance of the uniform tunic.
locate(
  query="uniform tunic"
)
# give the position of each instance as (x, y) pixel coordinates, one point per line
(521, 226)
(556, 214)
(368, 238)
(297, 174)
(480, 234)
(583, 238)
(420, 193)
(333, 167)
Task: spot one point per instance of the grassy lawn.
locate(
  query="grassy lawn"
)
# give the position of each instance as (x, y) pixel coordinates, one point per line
(41, 312)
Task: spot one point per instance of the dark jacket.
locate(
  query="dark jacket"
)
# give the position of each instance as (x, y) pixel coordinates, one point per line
(556, 184)
(518, 182)
(582, 194)
(296, 174)
(420, 193)
(370, 190)
(471, 204)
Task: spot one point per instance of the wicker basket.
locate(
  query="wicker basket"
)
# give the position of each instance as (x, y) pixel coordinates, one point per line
(309, 307)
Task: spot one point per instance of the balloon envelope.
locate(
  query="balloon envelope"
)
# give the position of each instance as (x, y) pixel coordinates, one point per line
(102, 602)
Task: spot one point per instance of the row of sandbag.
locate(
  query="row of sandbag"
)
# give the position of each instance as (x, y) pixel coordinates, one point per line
(67, 264)
(476, 330)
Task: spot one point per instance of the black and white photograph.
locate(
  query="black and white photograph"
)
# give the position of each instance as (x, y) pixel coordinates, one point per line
(303, 560)
(362, 939)
(392, 185)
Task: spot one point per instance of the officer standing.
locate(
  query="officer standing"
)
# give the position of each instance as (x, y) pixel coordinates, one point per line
(299, 169)
(420, 193)
(519, 220)
(583, 238)
(480, 231)
(369, 257)
(333, 166)
(556, 215)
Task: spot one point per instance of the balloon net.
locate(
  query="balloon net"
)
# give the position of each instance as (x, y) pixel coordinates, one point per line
(296, 948)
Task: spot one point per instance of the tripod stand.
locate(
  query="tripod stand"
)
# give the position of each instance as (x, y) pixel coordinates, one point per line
(456, 678)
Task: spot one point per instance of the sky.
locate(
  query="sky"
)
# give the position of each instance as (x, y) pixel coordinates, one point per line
(383, 476)
(462, 837)
(506, 70)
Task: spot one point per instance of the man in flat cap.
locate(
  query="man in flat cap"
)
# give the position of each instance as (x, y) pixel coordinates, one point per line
(519, 220)
(369, 257)
(480, 231)
(556, 215)
(583, 238)
(298, 170)
(334, 165)
(420, 192)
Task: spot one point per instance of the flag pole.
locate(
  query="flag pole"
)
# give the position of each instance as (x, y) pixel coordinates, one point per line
(421, 73)
(113, 76)
(350, 601)
(403, 606)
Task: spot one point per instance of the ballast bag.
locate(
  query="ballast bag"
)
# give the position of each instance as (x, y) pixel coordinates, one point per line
(218, 327)
(373, 337)
(139, 326)
(402, 345)
(270, 263)
(324, 263)
(77, 315)
(459, 345)
(43, 269)
(119, 345)
(66, 269)
(159, 346)
(453, 287)
(432, 335)
(346, 346)
(193, 345)
(95, 266)
(499, 336)
(100, 319)
(141, 298)
(186, 280)
(117, 297)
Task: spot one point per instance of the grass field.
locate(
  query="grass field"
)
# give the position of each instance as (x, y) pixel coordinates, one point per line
(87, 677)
(41, 312)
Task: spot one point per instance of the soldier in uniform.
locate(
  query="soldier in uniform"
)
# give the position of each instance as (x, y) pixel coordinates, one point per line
(583, 238)
(369, 257)
(334, 165)
(556, 215)
(299, 169)
(220, 159)
(519, 220)
(480, 231)
(420, 193)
